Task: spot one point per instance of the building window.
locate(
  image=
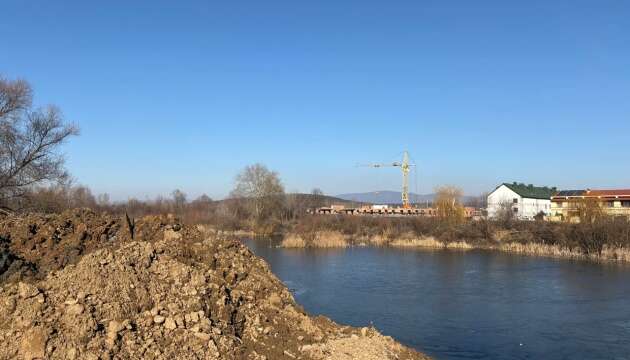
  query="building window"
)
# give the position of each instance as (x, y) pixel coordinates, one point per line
(610, 203)
(625, 204)
(515, 200)
(515, 210)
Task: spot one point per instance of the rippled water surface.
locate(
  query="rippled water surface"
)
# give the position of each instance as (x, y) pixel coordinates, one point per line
(466, 305)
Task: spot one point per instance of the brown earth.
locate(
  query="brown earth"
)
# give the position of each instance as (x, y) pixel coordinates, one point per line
(76, 286)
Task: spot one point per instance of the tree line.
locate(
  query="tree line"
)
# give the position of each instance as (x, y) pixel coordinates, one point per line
(33, 176)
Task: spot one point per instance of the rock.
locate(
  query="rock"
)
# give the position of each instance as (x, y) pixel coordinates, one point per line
(33, 344)
(115, 326)
(275, 300)
(170, 324)
(364, 331)
(171, 235)
(81, 295)
(10, 304)
(203, 336)
(71, 354)
(212, 348)
(159, 319)
(27, 291)
(75, 309)
(113, 329)
(194, 317)
(180, 322)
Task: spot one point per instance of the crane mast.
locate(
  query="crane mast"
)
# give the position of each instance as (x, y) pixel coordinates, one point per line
(405, 167)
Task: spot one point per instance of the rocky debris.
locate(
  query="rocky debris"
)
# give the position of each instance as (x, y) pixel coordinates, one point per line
(193, 296)
(27, 291)
(32, 245)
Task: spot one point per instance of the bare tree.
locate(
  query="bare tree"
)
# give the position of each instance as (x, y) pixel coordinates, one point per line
(587, 210)
(103, 200)
(203, 199)
(262, 190)
(505, 213)
(81, 196)
(296, 205)
(179, 200)
(449, 207)
(318, 198)
(30, 141)
(478, 202)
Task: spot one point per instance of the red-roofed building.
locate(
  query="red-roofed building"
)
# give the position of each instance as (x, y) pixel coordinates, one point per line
(564, 205)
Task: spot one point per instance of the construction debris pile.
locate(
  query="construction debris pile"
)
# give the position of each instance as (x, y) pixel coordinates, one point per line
(78, 286)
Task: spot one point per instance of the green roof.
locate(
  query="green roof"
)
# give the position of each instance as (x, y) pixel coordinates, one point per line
(532, 192)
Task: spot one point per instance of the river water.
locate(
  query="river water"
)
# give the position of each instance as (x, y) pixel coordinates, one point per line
(465, 305)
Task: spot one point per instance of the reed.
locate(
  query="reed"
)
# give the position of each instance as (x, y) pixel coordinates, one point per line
(293, 241)
(320, 239)
(422, 242)
(537, 249)
(329, 239)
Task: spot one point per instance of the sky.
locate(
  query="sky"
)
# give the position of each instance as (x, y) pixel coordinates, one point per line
(184, 94)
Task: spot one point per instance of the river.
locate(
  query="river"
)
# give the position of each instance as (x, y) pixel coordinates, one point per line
(465, 305)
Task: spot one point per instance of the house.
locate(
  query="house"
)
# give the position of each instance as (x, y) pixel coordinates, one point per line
(523, 201)
(566, 204)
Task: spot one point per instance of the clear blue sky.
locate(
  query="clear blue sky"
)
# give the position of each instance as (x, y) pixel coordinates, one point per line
(184, 94)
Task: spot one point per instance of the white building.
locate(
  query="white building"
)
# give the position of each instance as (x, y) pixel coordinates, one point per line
(524, 201)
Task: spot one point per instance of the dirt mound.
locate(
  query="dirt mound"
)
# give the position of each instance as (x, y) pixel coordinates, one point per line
(172, 292)
(33, 245)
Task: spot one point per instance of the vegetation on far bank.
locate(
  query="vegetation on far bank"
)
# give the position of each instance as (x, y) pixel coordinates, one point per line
(602, 238)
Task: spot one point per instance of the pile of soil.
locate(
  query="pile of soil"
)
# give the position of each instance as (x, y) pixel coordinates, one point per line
(77, 286)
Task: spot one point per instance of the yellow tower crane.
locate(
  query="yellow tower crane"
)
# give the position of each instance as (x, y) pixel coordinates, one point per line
(405, 167)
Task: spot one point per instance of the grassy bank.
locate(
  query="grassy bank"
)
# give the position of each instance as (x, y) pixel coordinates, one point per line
(607, 239)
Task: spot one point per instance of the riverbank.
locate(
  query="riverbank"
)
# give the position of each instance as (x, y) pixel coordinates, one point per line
(335, 239)
(82, 285)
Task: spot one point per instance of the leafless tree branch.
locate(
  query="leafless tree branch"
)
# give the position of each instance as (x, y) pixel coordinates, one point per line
(30, 141)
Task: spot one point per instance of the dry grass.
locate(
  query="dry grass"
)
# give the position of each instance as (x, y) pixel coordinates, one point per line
(321, 239)
(423, 242)
(460, 245)
(432, 243)
(540, 250)
(293, 241)
(619, 254)
(329, 239)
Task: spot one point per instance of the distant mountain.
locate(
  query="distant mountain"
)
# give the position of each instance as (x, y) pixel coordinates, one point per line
(392, 197)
